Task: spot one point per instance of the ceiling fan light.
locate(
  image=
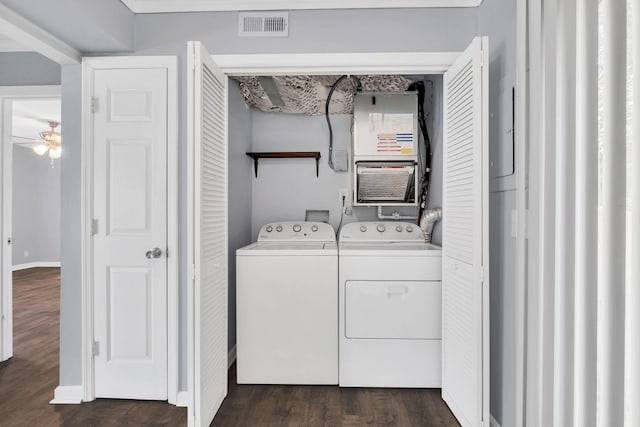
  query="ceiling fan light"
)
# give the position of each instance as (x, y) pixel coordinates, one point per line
(51, 136)
(40, 149)
(55, 152)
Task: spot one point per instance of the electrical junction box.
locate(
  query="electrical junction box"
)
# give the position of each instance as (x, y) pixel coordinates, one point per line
(340, 160)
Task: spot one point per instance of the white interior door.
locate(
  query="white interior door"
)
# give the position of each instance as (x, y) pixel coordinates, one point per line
(207, 115)
(130, 232)
(465, 285)
(6, 262)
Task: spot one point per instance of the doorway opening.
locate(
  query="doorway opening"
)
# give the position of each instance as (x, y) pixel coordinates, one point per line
(224, 66)
(30, 193)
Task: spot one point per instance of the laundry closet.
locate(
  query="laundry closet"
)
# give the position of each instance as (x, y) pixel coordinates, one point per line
(292, 305)
(288, 157)
(292, 181)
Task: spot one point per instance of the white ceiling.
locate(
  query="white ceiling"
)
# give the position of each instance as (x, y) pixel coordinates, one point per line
(30, 117)
(157, 6)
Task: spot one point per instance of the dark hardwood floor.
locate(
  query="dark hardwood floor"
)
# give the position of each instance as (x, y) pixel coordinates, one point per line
(27, 382)
(293, 406)
(28, 379)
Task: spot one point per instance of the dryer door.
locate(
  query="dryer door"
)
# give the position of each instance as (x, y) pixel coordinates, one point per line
(393, 310)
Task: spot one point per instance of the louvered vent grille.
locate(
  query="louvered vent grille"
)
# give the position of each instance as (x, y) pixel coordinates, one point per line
(461, 176)
(263, 24)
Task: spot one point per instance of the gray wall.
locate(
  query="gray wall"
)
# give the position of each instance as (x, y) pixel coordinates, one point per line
(502, 300)
(496, 19)
(240, 192)
(71, 229)
(285, 188)
(310, 31)
(445, 29)
(36, 208)
(27, 68)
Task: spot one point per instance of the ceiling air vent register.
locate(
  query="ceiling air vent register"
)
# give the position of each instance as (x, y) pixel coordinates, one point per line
(263, 24)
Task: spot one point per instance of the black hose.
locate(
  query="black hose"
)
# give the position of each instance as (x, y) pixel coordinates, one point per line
(419, 87)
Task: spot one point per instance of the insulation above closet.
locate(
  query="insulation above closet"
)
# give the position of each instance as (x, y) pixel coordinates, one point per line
(308, 94)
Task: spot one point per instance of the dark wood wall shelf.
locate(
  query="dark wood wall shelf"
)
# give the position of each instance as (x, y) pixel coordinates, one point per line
(285, 155)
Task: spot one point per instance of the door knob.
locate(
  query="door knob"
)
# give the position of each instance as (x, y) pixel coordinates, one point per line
(154, 253)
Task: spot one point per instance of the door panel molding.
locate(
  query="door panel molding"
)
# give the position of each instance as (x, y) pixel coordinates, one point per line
(90, 66)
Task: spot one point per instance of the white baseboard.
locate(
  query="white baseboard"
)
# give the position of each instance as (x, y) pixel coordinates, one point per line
(232, 356)
(35, 264)
(493, 422)
(182, 399)
(67, 395)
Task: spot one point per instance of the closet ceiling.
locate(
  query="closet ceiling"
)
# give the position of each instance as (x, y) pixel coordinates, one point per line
(308, 94)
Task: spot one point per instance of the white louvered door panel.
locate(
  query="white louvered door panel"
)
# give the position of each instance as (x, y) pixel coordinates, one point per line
(465, 323)
(210, 236)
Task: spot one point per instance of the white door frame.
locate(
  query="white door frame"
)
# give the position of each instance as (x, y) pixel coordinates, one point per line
(8, 94)
(89, 66)
(336, 63)
(522, 179)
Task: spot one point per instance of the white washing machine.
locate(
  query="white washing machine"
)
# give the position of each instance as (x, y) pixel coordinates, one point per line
(287, 305)
(390, 322)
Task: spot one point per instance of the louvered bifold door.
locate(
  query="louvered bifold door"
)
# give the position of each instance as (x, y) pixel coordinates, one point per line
(465, 334)
(210, 226)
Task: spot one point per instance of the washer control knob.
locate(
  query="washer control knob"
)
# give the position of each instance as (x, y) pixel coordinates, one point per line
(279, 228)
(269, 229)
(363, 228)
(409, 228)
(381, 228)
(399, 228)
(314, 228)
(297, 228)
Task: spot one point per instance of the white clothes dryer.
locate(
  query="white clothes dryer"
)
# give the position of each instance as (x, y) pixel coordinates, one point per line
(287, 305)
(390, 323)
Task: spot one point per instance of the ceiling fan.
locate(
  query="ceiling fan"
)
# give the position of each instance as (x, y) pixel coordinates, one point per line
(50, 141)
